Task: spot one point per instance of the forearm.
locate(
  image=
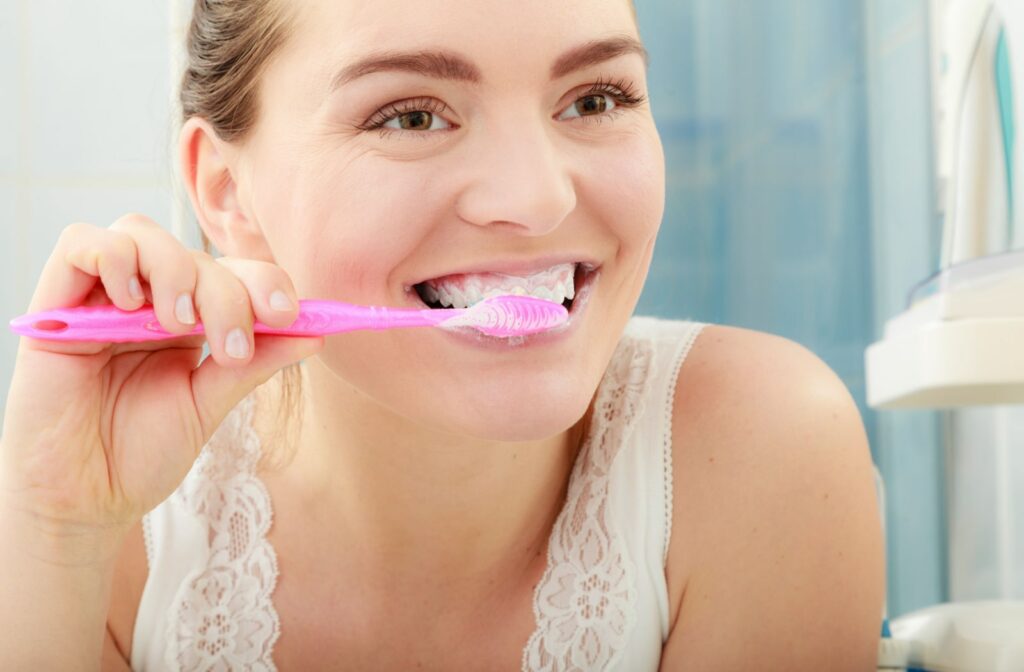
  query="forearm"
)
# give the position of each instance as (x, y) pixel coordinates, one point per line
(54, 594)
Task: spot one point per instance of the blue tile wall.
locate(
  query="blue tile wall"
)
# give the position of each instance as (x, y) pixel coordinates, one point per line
(763, 109)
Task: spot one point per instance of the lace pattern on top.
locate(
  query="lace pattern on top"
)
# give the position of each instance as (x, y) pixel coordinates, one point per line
(223, 618)
(585, 604)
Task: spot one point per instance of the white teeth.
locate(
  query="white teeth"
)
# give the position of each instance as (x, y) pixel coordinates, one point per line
(546, 294)
(555, 284)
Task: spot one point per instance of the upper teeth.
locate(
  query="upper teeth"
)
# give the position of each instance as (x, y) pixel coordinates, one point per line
(461, 291)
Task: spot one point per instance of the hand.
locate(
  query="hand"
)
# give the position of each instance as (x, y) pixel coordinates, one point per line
(95, 435)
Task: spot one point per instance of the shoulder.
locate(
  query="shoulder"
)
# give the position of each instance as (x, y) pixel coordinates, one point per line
(776, 533)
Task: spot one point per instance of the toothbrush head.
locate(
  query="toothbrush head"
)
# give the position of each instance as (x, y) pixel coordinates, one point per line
(508, 315)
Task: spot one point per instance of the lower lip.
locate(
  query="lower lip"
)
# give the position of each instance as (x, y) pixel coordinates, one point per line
(474, 338)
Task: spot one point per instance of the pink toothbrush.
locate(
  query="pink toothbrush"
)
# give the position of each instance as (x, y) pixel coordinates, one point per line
(501, 316)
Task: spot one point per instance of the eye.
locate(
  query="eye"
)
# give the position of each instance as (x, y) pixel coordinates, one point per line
(416, 120)
(416, 116)
(603, 98)
(589, 105)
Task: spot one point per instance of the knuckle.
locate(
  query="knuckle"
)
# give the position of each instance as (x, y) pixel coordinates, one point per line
(75, 231)
(223, 292)
(123, 247)
(236, 296)
(279, 275)
(130, 220)
(175, 255)
(200, 256)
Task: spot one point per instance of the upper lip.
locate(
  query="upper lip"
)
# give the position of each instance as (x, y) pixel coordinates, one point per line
(518, 267)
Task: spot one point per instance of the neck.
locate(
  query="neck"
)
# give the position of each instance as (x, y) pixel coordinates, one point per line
(413, 504)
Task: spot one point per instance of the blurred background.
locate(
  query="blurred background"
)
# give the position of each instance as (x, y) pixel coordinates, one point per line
(801, 200)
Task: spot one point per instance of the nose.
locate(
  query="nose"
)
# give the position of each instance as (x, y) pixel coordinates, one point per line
(518, 180)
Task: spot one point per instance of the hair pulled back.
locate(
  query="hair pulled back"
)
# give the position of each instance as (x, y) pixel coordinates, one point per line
(228, 44)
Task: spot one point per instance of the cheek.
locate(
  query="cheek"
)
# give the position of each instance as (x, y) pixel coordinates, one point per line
(341, 232)
(628, 189)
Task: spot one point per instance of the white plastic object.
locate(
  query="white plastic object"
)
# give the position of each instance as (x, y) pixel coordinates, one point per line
(960, 343)
(985, 636)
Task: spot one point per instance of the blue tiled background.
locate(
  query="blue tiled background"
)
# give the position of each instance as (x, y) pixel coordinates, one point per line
(799, 202)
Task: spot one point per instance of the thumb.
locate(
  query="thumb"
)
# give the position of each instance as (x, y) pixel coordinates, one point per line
(217, 389)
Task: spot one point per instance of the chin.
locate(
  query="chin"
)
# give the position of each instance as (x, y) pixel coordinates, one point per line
(527, 413)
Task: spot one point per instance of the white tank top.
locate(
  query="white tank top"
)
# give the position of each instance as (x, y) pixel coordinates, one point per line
(602, 603)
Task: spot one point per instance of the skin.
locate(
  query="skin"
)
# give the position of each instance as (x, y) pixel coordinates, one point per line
(415, 484)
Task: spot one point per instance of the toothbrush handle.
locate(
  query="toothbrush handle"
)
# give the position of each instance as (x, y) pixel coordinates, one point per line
(109, 324)
(319, 317)
(103, 324)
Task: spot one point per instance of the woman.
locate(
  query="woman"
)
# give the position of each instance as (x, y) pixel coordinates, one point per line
(626, 494)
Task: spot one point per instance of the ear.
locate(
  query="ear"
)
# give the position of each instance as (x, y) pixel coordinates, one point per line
(210, 179)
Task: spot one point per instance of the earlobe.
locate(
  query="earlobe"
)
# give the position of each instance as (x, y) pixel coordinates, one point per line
(213, 192)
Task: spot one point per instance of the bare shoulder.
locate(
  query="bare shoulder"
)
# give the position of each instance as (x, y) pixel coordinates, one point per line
(776, 551)
(130, 575)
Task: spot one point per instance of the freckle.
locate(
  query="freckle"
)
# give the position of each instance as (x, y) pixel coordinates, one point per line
(711, 460)
(826, 496)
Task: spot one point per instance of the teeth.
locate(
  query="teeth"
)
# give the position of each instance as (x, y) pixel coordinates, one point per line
(547, 294)
(555, 284)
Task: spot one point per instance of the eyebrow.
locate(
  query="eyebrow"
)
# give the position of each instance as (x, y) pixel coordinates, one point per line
(442, 64)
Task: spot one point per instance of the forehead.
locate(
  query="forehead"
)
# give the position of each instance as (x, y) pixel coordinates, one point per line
(497, 34)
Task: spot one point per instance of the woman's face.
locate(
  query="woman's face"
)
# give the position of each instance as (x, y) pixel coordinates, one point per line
(499, 145)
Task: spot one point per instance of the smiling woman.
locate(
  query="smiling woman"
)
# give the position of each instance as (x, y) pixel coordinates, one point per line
(624, 493)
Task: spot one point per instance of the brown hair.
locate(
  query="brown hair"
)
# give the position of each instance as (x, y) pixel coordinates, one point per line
(227, 46)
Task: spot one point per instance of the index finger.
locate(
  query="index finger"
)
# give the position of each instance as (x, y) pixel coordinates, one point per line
(61, 284)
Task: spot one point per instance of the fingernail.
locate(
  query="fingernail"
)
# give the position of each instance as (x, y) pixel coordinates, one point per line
(135, 288)
(183, 309)
(280, 301)
(237, 345)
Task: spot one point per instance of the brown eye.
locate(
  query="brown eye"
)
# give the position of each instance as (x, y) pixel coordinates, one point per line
(418, 116)
(594, 104)
(415, 121)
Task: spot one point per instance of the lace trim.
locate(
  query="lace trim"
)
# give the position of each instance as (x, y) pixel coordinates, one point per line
(147, 539)
(585, 604)
(670, 404)
(222, 617)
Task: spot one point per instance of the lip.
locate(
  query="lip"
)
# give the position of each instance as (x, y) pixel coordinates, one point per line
(513, 267)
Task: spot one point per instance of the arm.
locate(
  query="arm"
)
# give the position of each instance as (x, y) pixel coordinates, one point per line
(53, 619)
(777, 537)
(55, 594)
(114, 660)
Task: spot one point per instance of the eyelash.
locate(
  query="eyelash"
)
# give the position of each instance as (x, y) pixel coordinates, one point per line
(621, 90)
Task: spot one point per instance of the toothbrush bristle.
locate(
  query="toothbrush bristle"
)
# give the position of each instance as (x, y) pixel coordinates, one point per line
(505, 316)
